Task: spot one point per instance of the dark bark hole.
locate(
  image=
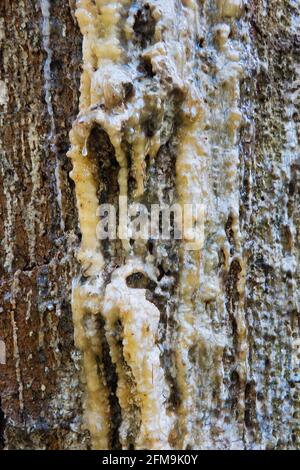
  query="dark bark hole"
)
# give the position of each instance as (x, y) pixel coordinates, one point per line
(144, 25)
(112, 383)
(222, 258)
(232, 293)
(140, 281)
(56, 66)
(131, 182)
(150, 246)
(147, 161)
(150, 126)
(200, 41)
(234, 389)
(230, 233)
(232, 297)
(128, 90)
(163, 272)
(102, 153)
(101, 149)
(145, 67)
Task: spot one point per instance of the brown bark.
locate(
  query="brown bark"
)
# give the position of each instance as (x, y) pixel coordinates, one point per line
(37, 237)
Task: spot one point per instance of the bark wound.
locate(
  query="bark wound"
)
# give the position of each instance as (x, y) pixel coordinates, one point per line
(165, 91)
(144, 25)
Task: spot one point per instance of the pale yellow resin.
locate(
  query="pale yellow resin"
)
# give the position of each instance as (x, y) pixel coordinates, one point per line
(104, 71)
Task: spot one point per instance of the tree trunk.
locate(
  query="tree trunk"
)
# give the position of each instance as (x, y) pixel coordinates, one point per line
(177, 345)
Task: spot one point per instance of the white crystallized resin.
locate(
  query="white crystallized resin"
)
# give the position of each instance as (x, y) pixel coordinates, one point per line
(207, 133)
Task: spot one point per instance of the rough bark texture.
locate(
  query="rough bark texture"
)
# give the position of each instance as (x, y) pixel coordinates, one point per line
(229, 337)
(39, 382)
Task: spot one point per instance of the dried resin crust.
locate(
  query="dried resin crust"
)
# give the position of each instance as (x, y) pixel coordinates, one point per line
(158, 123)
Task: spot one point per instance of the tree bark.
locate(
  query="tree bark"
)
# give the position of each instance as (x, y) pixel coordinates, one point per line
(180, 102)
(39, 372)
